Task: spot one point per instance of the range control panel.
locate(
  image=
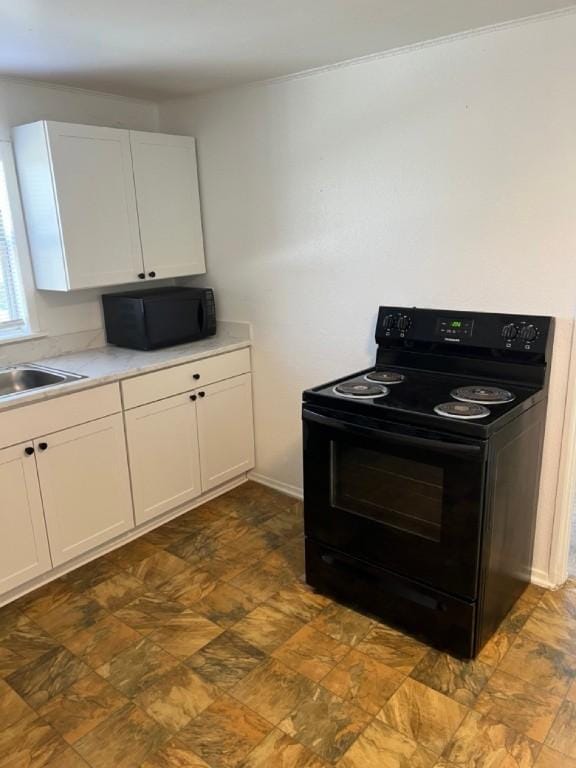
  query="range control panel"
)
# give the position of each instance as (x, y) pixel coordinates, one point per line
(474, 329)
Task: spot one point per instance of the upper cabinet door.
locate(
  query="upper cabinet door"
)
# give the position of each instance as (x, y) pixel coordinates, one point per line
(166, 180)
(94, 185)
(78, 192)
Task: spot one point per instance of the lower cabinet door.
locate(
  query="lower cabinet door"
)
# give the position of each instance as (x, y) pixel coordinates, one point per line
(24, 552)
(163, 450)
(85, 486)
(225, 430)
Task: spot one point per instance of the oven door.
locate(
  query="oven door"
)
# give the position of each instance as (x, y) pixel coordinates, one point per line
(406, 499)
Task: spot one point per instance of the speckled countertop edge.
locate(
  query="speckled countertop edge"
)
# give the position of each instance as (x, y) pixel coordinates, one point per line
(109, 364)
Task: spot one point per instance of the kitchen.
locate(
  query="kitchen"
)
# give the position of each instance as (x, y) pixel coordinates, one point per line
(439, 176)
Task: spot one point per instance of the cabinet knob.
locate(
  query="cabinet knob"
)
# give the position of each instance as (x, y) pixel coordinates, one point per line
(196, 376)
(142, 276)
(201, 394)
(42, 446)
(192, 397)
(151, 274)
(29, 451)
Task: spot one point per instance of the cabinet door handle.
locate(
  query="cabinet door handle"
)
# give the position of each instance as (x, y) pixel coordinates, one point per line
(196, 376)
(201, 394)
(29, 450)
(42, 446)
(192, 397)
(151, 274)
(142, 276)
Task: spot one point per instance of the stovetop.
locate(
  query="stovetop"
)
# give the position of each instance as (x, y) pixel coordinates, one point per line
(414, 399)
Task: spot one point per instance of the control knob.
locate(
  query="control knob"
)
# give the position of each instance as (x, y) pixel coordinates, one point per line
(528, 332)
(388, 322)
(403, 323)
(509, 331)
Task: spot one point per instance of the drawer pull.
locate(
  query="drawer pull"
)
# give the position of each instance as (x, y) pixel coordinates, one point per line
(192, 397)
(196, 376)
(201, 394)
(42, 446)
(29, 451)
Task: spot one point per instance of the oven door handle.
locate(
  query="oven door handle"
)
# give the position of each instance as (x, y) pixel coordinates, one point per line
(446, 447)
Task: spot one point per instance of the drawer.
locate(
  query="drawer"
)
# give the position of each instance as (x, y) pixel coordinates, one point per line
(183, 378)
(20, 424)
(445, 621)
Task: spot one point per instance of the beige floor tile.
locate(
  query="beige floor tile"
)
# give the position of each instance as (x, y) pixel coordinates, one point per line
(90, 575)
(117, 592)
(185, 633)
(556, 630)
(30, 743)
(124, 740)
(326, 724)
(424, 715)
(12, 707)
(131, 553)
(225, 605)
(174, 755)
(157, 569)
(460, 680)
(518, 704)
(501, 641)
(76, 613)
(23, 641)
(273, 690)
(300, 601)
(137, 667)
(189, 586)
(81, 707)
(393, 648)
(225, 660)
(266, 627)
(540, 664)
(380, 746)
(68, 759)
(484, 743)
(47, 676)
(562, 735)
(363, 681)
(177, 697)
(311, 653)
(549, 758)
(225, 733)
(562, 602)
(149, 611)
(571, 694)
(263, 579)
(103, 640)
(278, 750)
(343, 624)
(46, 598)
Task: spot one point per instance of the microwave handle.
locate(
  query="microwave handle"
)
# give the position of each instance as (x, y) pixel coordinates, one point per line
(392, 438)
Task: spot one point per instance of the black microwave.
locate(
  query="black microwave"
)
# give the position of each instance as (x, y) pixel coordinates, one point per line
(159, 317)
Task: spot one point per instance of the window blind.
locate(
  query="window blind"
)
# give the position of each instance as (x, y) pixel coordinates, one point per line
(13, 314)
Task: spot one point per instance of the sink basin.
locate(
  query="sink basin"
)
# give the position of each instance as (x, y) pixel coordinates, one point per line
(22, 378)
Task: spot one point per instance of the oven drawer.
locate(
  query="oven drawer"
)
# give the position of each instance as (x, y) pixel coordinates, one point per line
(441, 620)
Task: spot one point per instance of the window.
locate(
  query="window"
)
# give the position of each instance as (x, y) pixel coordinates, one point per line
(14, 312)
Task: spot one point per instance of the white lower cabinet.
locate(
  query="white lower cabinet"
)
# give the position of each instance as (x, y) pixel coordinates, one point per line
(85, 485)
(24, 552)
(164, 461)
(225, 430)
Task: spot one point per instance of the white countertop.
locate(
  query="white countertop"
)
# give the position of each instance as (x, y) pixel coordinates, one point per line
(108, 364)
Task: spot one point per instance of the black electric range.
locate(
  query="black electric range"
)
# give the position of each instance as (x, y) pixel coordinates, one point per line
(421, 473)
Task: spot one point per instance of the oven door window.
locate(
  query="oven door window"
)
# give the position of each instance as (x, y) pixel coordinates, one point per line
(394, 491)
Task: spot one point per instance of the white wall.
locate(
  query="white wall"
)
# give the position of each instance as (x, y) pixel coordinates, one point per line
(440, 177)
(23, 102)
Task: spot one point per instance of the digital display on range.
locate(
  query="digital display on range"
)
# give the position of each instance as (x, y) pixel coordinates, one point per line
(454, 327)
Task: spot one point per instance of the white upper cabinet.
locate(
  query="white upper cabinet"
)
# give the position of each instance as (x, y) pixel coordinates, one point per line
(168, 202)
(103, 206)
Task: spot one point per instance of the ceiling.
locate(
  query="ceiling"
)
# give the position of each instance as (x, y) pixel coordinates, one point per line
(164, 48)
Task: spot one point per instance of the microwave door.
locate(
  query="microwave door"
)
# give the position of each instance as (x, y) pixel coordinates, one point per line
(173, 320)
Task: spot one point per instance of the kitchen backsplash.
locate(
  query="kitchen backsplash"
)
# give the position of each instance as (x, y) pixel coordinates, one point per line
(50, 346)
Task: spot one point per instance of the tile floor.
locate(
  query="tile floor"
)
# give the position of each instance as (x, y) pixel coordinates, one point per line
(198, 646)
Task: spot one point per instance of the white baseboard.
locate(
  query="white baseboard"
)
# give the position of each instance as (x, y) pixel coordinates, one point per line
(542, 579)
(290, 490)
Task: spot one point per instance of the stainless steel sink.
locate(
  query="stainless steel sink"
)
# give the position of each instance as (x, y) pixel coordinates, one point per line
(20, 379)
